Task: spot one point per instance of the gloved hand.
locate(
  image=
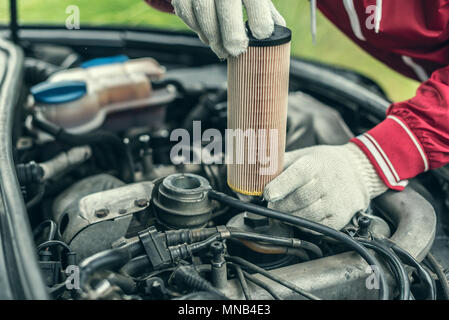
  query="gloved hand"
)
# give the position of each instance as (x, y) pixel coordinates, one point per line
(325, 184)
(219, 23)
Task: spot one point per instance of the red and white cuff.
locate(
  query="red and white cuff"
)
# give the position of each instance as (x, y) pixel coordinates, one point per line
(394, 151)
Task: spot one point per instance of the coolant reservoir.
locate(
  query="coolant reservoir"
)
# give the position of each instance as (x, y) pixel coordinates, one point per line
(80, 99)
(257, 112)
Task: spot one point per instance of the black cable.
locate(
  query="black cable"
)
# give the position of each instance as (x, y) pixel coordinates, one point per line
(423, 273)
(251, 236)
(262, 284)
(433, 282)
(301, 222)
(254, 268)
(53, 243)
(438, 269)
(210, 175)
(242, 281)
(395, 264)
(51, 232)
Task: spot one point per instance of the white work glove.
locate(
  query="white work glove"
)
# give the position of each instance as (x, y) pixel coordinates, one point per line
(325, 184)
(219, 23)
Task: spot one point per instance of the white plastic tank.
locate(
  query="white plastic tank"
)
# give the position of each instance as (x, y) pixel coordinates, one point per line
(81, 99)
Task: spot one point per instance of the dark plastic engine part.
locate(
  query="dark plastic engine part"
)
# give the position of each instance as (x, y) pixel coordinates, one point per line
(51, 270)
(155, 247)
(219, 267)
(28, 173)
(181, 201)
(155, 287)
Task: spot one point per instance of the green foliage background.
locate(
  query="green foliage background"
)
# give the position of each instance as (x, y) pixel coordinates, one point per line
(331, 47)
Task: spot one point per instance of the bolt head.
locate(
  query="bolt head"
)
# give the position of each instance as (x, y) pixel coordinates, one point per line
(217, 246)
(364, 222)
(101, 213)
(141, 203)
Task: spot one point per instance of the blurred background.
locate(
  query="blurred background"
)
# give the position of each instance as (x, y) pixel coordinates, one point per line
(332, 46)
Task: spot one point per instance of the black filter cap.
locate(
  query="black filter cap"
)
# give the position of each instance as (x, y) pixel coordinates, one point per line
(280, 36)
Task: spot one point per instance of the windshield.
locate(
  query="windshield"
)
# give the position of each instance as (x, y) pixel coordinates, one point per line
(331, 47)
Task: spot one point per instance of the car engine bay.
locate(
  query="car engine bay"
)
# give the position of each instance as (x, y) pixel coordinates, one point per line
(112, 217)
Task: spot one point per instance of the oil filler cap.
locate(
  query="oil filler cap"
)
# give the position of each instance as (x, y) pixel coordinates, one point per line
(182, 202)
(58, 92)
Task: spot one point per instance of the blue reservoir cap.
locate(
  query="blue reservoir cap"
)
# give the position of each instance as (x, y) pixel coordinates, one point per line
(58, 92)
(104, 61)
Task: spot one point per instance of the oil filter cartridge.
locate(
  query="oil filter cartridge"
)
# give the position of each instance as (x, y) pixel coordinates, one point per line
(257, 112)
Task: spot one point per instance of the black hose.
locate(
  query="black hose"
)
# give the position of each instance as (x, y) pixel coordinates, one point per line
(262, 284)
(175, 237)
(112, 259)
(395, 264)
(136, 266)
(254, 268)
(189, 277)
(301, 222)
(423, 273)
(438, 269)
(127, 285)
(309, 246)
(184, 251)
(98, 136)
(242, 281)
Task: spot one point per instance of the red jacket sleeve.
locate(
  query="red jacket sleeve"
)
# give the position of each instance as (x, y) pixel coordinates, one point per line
(415, 136)
(162, 5)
